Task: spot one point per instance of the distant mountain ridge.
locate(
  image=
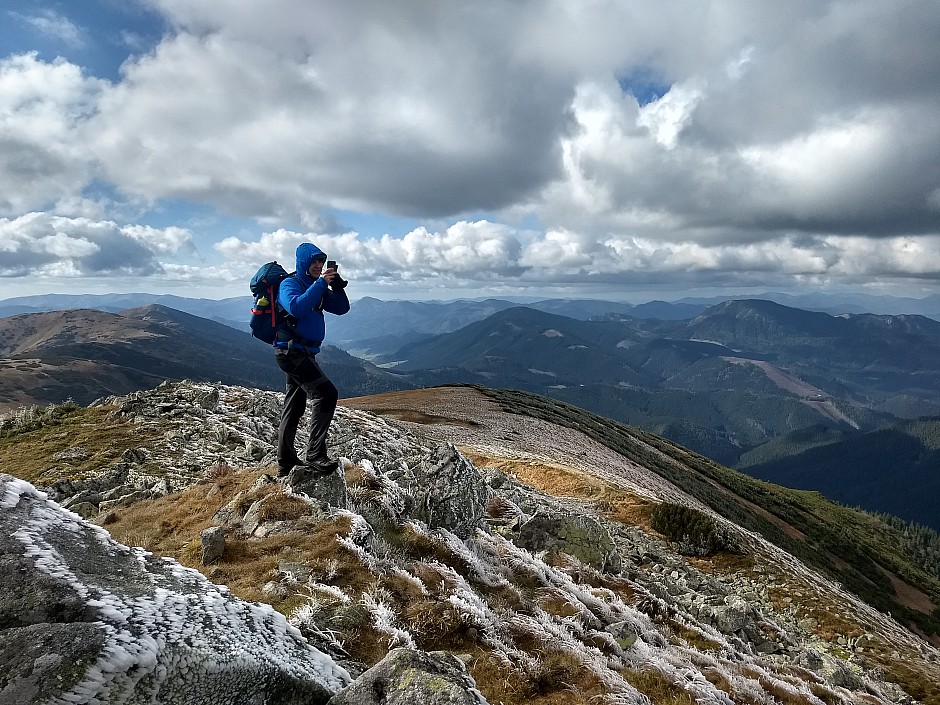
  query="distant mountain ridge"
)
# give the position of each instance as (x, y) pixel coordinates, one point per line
(728, 383)
(892, 469)
(84, 354)
(231, 311)
(380, 327)
(739, 375)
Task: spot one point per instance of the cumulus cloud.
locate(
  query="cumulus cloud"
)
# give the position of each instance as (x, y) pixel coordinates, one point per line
(485, 254)
(273, 110)
(649, 141)
(39, 243)
(44, 113)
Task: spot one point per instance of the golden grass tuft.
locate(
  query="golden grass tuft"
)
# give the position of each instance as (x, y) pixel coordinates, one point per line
(780, 693)
(279, 506)
(438, 625)
(556, 602)
(692, 637)
(657, 687)
(556, 480)
(30, 453)
(557, 679)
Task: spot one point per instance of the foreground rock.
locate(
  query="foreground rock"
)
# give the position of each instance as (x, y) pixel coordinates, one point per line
(411, 677)
(84, 619)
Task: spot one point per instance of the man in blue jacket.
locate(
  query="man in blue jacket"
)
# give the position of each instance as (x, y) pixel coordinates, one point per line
(305, 296)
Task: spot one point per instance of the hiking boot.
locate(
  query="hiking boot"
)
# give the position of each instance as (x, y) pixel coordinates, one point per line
(323, 466)
(284, 470)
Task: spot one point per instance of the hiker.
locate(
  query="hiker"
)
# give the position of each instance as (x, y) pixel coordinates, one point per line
(305, 296)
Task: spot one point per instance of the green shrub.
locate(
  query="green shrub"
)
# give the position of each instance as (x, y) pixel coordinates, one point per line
(694, 532)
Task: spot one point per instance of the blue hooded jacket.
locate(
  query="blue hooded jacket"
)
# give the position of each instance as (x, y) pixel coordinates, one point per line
(306, 298)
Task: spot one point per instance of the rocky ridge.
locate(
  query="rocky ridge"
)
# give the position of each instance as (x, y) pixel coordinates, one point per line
(515, 579)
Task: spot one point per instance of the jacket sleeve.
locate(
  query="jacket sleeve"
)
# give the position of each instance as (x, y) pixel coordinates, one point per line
(336, 302)
(299, 303)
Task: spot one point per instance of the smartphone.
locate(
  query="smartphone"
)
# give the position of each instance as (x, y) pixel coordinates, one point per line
(331, 264)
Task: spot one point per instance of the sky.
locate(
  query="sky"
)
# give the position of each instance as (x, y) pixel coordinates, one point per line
(619, 149)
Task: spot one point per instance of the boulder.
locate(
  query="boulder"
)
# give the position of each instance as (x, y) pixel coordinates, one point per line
(449, 492)
(575, 534)
(213, 544)
(84, 619)
(326, 490)
(412, 677)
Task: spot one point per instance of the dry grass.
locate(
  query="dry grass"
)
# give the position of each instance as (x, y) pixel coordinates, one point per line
(557, 679)
(723, 562)
(30, 455)
(692, 637)
(627, 508)
(170, 526)
(165, 526)
(556, 480)
(780, 693)
(657, 687)
(913, 681)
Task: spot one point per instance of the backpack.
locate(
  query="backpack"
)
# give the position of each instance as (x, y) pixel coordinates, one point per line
(267, 316)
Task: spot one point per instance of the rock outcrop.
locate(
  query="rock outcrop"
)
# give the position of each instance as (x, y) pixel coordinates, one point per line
(411, 677)
(510, 573)
(87, 620)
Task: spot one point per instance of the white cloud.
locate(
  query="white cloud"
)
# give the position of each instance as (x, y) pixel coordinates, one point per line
(487, 254)
(52, 24)
(44, 110)
(792, 140)
(666, 117)
(42, 244)
(168, 240)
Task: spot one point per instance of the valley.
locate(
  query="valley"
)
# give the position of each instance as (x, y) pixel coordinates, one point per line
(786, 394)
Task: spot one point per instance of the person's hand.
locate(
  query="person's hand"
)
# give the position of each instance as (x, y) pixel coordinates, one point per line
(329, 275)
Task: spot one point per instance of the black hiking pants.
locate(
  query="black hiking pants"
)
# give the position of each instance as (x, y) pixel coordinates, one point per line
(305, 380)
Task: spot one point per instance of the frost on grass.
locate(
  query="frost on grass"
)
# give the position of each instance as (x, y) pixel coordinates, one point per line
(168, 634)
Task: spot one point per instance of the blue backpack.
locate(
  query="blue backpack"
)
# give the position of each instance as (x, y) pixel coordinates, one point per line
(267, 316)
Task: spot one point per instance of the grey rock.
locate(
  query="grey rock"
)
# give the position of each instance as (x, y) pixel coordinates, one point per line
(86, 510)
(71, 454)
(208, 399)
(84, 619)
(135, 455)
(213, 544)
(297, 572)
(326, 490)
(448, 490)
(124, 500)
(412, 677)
(42, 661)
(575, 534)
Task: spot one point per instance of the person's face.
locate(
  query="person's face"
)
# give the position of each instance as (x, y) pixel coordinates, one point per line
(316, 267)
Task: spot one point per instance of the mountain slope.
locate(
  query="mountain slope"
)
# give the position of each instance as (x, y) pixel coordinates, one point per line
(543, 346)
(564, 592)
(84, 354)
(231, 311)
(851, 546)
(736, 376)
(892, 470)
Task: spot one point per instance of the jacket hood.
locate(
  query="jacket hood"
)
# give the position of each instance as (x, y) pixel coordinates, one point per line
(306, 253)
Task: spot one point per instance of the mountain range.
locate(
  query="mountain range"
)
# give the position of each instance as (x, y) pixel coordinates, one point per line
(745, 382)
(84, 354)
(381, 326)
(740, 373)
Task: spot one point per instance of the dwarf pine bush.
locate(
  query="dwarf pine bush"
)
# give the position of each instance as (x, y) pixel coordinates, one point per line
(34, 417)
(694, 532)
